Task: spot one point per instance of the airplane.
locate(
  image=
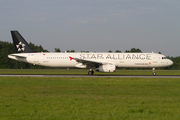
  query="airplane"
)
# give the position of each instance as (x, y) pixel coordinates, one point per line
(102, 62)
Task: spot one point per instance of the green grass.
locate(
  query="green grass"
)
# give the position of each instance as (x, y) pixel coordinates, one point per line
(85, 71)
(89, 98)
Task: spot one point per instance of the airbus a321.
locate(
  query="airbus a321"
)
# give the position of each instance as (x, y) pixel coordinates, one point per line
(102, 62)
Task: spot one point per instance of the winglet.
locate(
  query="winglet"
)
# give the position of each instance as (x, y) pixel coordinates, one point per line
(71, 58)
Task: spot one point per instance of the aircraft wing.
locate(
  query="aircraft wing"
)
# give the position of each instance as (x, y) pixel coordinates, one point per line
(89, 63)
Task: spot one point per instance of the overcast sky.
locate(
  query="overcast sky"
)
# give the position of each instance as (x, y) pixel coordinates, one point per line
(95, 25)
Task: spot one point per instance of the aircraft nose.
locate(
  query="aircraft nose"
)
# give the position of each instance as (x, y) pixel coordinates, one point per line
(170, 62)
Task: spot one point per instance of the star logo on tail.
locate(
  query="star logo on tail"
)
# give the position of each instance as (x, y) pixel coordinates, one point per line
(20, 46)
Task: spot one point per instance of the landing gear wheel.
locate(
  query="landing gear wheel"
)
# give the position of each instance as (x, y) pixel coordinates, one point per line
(91, 72)
(154, 73)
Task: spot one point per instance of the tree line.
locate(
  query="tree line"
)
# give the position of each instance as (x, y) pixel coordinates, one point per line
(7, 48)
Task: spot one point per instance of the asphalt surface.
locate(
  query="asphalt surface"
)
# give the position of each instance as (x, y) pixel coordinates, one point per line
(95, 76)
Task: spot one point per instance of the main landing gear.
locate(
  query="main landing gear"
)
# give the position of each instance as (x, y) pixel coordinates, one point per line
(90, 72)
(154, 73)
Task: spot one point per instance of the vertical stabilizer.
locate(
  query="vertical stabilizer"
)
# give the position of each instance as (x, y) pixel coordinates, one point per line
(20, 44)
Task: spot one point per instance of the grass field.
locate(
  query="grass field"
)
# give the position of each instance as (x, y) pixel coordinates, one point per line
(89, 98)
(85, 71)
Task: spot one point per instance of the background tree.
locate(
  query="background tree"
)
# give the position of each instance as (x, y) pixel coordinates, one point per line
(57, 50)
(5, 49)
(117, 51)
(70, 51)
(37, 48)
(134, 50)
(176, 64)
(85, 51)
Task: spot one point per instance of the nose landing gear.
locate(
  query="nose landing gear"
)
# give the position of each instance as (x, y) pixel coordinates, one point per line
(154, 73)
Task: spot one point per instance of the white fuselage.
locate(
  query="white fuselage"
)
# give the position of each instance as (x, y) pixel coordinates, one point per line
(126, 60)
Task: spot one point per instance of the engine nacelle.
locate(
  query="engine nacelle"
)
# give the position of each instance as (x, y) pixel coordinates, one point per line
(107, 68)
(80, 65)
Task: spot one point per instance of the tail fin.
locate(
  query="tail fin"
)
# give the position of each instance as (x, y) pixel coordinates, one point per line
(20, 44)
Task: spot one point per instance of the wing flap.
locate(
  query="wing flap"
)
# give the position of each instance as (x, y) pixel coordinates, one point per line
(88, 63)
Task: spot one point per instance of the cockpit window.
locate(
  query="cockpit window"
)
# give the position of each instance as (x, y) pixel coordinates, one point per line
(164, 57)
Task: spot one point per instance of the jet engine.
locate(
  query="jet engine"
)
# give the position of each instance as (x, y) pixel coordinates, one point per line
(107, 68)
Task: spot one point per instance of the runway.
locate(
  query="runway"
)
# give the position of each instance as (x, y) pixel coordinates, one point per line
(93, 76)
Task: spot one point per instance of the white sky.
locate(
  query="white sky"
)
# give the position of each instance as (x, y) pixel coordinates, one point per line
(95, 25)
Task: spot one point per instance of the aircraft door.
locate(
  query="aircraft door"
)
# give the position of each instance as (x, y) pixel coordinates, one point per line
(154, 58)
(36, 60)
